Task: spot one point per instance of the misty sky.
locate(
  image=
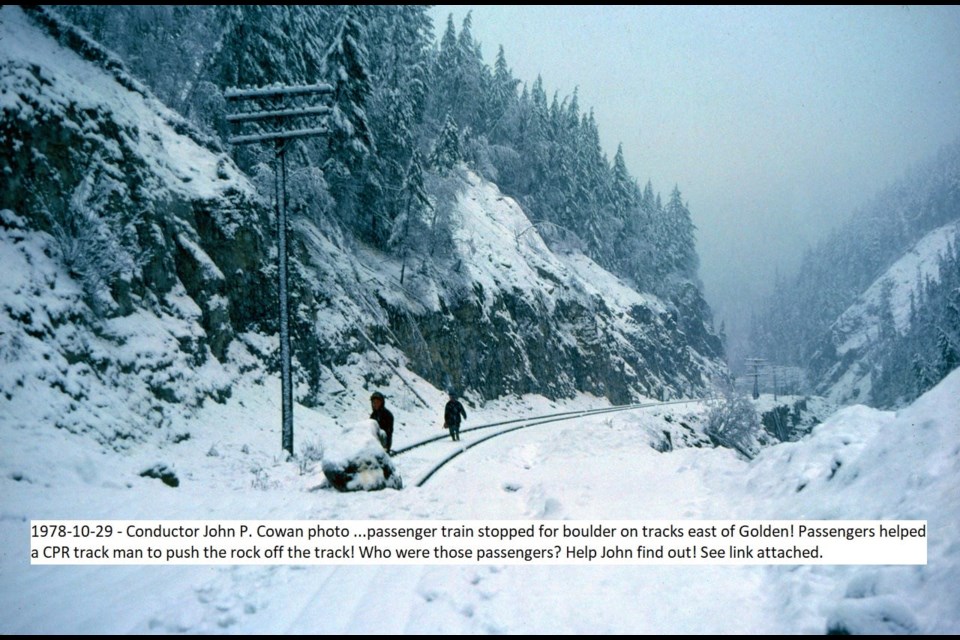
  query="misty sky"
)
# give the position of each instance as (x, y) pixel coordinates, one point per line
(775, 122)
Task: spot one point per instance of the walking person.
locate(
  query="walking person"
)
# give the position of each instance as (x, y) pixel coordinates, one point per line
(452, 414)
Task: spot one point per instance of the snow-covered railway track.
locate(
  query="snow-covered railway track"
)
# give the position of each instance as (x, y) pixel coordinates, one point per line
(522, 423)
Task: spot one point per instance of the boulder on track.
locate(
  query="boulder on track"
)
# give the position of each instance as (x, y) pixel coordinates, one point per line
(354, 460)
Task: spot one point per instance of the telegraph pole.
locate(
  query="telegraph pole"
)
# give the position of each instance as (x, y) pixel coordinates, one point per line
(756, 363)
(267, 113)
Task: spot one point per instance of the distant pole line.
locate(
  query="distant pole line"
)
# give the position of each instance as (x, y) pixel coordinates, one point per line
(757, 364)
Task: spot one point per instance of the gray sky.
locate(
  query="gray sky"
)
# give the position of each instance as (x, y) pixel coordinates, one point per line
(776, 122)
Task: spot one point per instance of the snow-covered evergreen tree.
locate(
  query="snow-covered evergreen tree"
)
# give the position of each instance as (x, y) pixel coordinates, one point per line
(349, 166)
(396, 93)
(447, 152)
(416, 203)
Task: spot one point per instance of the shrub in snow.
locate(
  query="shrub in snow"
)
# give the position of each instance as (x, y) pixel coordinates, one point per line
(732, 422)
(95, 245)
(309, 453)
(312, 451)
(261, 479)
(354, 460)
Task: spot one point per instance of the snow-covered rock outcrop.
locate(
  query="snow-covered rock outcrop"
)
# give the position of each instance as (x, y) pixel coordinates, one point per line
(133, 250)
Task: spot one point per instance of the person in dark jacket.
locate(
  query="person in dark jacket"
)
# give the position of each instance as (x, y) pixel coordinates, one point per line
(384, 419)
(451, 416)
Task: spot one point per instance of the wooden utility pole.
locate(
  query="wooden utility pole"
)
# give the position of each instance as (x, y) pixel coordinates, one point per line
(268, 112)
(757, 364)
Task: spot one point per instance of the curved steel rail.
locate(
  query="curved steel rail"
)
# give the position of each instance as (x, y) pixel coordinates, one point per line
(530, 422)
(573, 414)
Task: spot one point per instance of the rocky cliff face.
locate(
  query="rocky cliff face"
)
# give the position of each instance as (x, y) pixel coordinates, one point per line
(139, 252)
(144, 274)
(510, 316)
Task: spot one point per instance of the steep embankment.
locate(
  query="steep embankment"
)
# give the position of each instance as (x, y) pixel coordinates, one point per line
(854, 349)
(510, 315)
(862, 463)
(133, 251)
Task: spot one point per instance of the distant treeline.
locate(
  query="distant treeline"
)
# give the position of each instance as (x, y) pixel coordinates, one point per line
(794, 326)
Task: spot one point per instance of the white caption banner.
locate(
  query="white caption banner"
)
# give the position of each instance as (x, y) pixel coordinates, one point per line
(419, 542)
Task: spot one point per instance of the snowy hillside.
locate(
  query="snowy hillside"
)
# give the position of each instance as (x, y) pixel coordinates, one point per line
(858, 330)
(145, 278)
(44, 80)
(858, 325)
(510, 315)
(125, 244)
(871, 313)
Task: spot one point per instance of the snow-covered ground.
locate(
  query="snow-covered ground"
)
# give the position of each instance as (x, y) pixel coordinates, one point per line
(66, 459)
(860, 464)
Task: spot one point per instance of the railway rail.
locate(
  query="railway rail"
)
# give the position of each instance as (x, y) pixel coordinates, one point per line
(522, 423)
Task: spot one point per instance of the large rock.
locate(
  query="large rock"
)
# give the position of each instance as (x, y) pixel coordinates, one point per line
(354, 460)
